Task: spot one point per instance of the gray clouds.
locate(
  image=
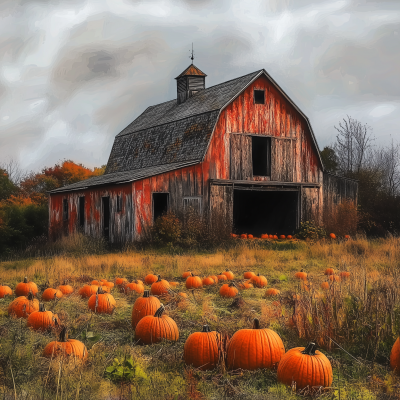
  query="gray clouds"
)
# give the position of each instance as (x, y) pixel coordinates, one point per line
(74, 73)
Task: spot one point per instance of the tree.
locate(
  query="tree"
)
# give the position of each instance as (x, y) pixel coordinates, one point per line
(7, 187)
(329, 158)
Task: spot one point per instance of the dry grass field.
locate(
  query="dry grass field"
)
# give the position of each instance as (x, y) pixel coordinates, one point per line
(354, 321)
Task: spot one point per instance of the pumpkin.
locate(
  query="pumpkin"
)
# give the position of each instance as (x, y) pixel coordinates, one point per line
(306, 367)
(301, 275)
(42, 320)
(325, 285)
(121, 281)
(102, 303)
(395, 357)
(183, 295)
(5, 291)
(215, 277)
(134, 287)
(23, 306)
(332, 236)
(228, 290)
(250, 236)
(334, 278)
(347, 237)
(271, 236)
(25, 287)
(97, 283)
(282, 237)
(193, 282)
(66, 289)
(150, 279)
(67, 348)
(264, 236)
(160, 287)
(51, 294)
(233, 235)
(290, 237)
(243, 236)
(248, 275)
(329, 271)
(344, 275)
(245, 285)
(272, 292)
(229, 275)
(275, 236)
(146, 305)
(88, 290)
(255, 348)
(186, 274)
(208, 281)
(152, 329)
(222, 277)
(108, 284)
(259, 281)
(174, 284)
(201, 349)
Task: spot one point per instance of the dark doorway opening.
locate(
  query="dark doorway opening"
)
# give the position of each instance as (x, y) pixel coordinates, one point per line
(160, 204)
(258, 212)
(81, 212)
(261, 156)
(106, 217)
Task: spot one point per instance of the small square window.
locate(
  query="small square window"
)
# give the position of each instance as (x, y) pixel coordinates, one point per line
(259, 97)
(119, 203)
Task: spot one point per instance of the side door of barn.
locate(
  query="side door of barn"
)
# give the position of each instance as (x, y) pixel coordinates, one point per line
(221, 207)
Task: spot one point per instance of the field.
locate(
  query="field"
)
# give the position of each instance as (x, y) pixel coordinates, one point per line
(354, 321)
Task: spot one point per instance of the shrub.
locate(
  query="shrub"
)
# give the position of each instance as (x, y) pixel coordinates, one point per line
(309, 230)
(343, 220)
(167, 229)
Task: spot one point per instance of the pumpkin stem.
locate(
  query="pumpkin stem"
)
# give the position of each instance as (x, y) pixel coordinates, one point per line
(256, 324)
(63, 334)
(206, 328)
(99, 290)
(25, 280)
(159, 278)
(41, 307)
(159, 311)
(30, 296)
(146, 293)
(310, 349)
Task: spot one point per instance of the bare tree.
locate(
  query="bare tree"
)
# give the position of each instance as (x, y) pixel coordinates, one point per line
(15, 173)
(387, 161)
(353, 143)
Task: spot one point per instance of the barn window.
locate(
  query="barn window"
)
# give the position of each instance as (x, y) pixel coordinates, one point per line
(65, 209)
(259, 96)
(261, 156)
(160, 204)
(82, 211)
(192, 203)
(119, 203)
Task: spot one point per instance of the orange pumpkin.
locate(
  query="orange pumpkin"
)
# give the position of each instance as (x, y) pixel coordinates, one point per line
(256, 348)
(289, 237)
(332, 236)
(42, 320)
(66, 289)
(325, 285)
(23, 306)
(305, 366)
(96, 282)
(259, 281)
(88, 291)
(243, 236)
(347, 237)
(152, 329)
(301, 275)
(183, 295)
(208, 281)
(201, 349)
(160, 288)
(51, 294)
(245, 285)
(174, 284)
(271, 236)
(121, 281)
(250, 236)
(108, 284)
(222, 277)
(25, 287)
(228, 290)
(5, 291)
(329, 271)
(215, 277)
(275, 237)
(66, 348)
(264, 236)
(103, 280)
(334, 278)
(395, 357)
(248, 275)
(272, 292)
(229, 275)
(233, 235)
(282, 237)
(193, 282)
(186, 274)
(150, 279)
(344, 275)
(134, 287)
(146, 305)
(102, 303)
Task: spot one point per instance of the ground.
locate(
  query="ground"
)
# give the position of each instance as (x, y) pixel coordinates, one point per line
(360, 314)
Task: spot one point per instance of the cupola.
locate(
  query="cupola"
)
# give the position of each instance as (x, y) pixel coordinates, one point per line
(189, 82)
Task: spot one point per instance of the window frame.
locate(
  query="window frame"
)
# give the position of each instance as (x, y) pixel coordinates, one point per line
(254, 96)
(268, 157)
(152, 202)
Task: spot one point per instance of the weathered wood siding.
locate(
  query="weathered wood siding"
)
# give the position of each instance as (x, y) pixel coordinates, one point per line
(121, 223)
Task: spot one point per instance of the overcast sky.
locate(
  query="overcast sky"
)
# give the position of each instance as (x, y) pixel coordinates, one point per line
(74, 73)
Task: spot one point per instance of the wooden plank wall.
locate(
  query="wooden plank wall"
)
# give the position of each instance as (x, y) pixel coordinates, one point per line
(241, 157)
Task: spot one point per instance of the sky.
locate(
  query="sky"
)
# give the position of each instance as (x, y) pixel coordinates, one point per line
(74, 73)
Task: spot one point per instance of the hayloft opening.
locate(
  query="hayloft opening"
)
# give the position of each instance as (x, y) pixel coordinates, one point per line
(256, 212)
(106, 217)
(261, 155)
(160, 204)
(259, 97)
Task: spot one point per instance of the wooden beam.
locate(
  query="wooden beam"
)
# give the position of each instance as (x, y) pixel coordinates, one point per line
(264, 183)
(262, 134)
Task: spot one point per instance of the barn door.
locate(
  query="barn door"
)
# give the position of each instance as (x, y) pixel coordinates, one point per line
(241, 157)
(221, 205)
(282, 160)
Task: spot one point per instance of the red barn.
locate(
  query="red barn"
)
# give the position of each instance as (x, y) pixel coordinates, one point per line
(242, 149)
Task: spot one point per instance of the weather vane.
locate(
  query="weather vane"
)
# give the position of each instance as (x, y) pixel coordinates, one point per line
(192, 56)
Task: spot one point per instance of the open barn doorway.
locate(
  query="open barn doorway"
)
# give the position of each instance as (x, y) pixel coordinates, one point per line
(256, 212)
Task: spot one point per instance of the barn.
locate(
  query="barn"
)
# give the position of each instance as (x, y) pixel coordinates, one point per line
(241, 149)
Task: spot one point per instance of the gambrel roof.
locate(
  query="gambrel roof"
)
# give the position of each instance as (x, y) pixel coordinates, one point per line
(169, 135)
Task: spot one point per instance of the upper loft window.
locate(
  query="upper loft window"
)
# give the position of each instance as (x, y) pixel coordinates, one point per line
(259, 96)
(261, 155)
